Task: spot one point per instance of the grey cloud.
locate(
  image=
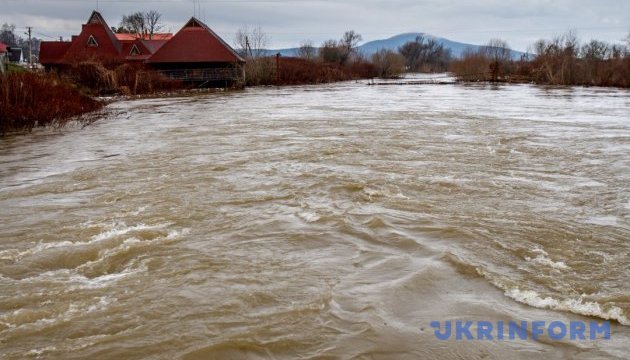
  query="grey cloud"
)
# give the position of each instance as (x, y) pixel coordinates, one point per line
(289, 22)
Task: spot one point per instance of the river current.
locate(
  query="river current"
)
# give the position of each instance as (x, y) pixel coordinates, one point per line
(332, 221)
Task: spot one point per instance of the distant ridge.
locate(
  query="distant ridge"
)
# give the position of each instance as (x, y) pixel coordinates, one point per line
(394, 42)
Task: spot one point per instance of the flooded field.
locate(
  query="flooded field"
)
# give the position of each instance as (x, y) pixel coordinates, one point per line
(330, 221)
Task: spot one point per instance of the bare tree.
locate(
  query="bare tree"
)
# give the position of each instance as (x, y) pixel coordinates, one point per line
(141, 24)
(307, 50)
(330, 52)
(251, 42)
(7, 35)
(498, 51)
(426, 55)
(348, 45)
(595, 50)
(134, 24)
(152, 22)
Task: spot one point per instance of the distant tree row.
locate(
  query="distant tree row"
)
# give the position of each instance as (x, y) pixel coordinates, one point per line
(562, 60)
(9, 36)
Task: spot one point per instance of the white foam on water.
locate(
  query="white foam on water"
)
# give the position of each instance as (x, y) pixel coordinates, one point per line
(73, 311)
(80, 281)
(116, 230)
(545, 261)
(123, 230)
(39, 352)
(576, 306)
(308, 216)
(603, 220)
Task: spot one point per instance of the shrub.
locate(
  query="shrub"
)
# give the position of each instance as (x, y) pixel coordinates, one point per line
(29, 99)
(388, 64)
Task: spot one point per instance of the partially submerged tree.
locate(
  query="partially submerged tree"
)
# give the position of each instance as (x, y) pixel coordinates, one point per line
(342, 51)
(499, 53)
(389, 64)
(425, 55)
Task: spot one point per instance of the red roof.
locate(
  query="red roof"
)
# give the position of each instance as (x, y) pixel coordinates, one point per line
(107, 44)
(141, 51)
(3, 47)
(52, 52)
(132, 37)
(195, 43)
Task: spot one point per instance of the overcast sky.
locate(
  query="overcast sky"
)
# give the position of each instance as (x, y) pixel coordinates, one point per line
(519, 22)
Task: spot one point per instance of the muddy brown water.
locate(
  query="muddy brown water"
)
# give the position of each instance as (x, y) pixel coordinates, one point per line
(331, 221)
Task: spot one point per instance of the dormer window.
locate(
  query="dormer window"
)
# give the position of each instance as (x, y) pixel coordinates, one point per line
(92, 41)
(134, 51)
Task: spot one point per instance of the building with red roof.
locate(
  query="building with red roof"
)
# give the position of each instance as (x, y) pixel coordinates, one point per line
(195, 53)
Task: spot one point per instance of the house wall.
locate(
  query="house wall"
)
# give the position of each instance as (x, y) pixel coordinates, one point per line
(3, 62)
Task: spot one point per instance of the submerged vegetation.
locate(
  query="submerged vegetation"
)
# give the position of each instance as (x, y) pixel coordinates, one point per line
(28, 99)
(95, 78)
(559, 61)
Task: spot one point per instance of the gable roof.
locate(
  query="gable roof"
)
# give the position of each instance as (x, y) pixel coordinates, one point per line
(108, 45)
(195, 43)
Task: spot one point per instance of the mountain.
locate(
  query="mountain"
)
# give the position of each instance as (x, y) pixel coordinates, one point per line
(394, 42)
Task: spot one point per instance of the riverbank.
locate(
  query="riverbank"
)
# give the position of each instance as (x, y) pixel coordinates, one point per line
(30, 100)
(43, 99)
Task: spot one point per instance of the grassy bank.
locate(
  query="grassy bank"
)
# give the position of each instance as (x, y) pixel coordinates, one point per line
(28, 100)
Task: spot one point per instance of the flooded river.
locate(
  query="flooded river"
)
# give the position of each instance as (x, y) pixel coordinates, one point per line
(330, 221)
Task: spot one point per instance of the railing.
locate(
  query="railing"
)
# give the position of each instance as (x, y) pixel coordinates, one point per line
(205, 75)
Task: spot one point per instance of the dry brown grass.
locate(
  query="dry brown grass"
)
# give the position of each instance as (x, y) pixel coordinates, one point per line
(29, 99)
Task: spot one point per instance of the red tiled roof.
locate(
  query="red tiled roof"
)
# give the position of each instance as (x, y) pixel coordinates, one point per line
(3, 47)
(52, 52)
(195, 43)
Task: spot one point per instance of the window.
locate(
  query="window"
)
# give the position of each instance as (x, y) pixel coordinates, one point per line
(92, 41)
(134, 51)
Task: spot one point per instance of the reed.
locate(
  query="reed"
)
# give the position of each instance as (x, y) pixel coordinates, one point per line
(29, 99)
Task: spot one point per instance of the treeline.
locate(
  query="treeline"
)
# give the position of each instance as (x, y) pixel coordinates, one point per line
(335, 60)
(562, 60)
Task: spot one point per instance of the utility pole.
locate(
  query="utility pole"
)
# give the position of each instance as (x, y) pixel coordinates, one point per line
(30, 47)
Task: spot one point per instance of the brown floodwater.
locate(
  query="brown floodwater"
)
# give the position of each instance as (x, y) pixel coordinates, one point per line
(332, 221)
